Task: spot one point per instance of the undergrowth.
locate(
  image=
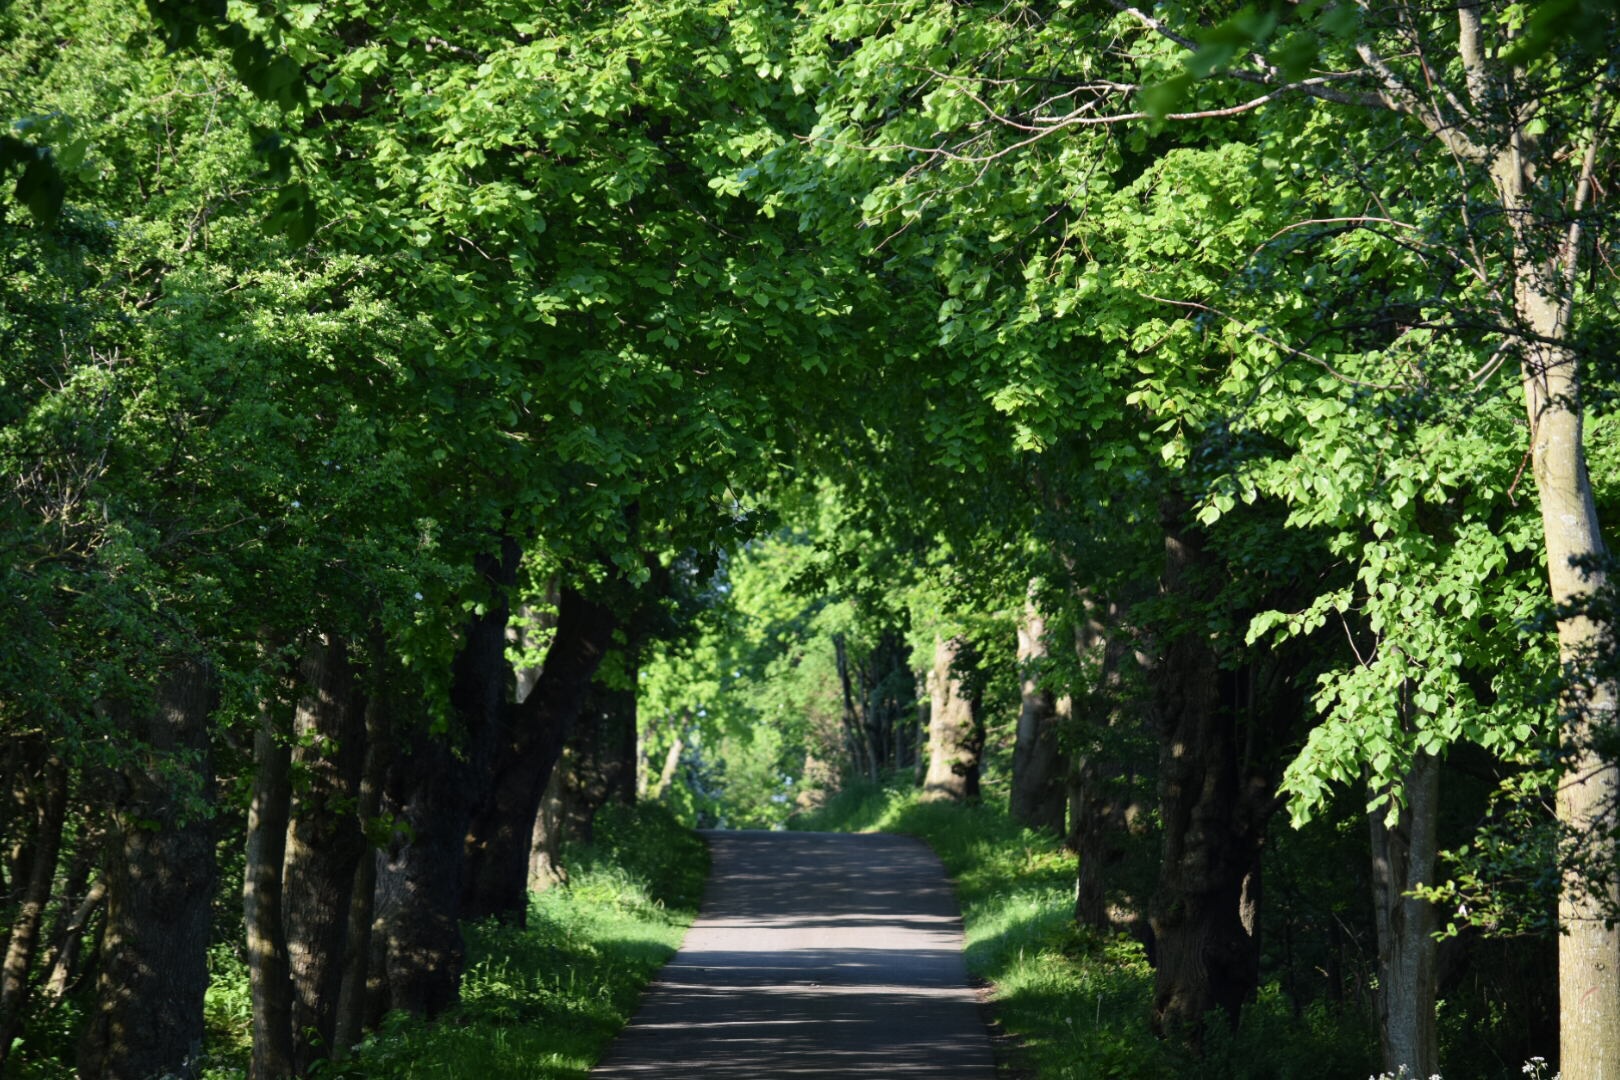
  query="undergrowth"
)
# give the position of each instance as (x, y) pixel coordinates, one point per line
(540, 1002)
(1076, 1005)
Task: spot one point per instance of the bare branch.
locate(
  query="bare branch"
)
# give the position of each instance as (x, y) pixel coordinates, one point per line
(1400, 98)
(1156, 25)
(1081, 117)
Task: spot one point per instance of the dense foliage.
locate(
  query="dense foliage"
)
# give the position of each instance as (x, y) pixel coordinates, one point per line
(426, 426)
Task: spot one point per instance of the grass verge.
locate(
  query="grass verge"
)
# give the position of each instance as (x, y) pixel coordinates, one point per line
(542, 1002)
(1077, 1006)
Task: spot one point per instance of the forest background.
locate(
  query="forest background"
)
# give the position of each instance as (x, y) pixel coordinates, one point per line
(1203, 413)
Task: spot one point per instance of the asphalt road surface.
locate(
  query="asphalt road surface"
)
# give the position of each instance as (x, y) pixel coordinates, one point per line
(816, 955)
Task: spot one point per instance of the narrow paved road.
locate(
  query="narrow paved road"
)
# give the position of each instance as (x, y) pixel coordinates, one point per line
(816, 955)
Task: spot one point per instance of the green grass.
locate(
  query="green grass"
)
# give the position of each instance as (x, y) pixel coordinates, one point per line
(1077, 1006)
(541, 1002)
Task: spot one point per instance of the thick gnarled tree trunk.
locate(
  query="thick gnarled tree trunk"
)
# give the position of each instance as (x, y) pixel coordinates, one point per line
(955, 725)
(1219, 732)
(531, 739)
(324, 841)
(1110, 795)
(602, 756)
(417, 951)
(148, 1015)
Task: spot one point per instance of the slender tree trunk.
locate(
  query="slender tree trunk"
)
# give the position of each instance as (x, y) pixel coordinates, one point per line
(64, 968)
(148, 1016)
(1403, 856)
(531, 740)
(672, 760)
(324, 842)
(923, 732)
(362, 897)
(269, 976)
(955, 726)
(1531, 182)
(48, 809)
(862, 761)
(13, 807)
(1589, 789)
(1039, 769)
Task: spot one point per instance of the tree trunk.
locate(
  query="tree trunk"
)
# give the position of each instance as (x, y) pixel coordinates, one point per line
(1110, 803)
(324, 841)
(64, 970)
(1039, 768)
(955, 726)
(148, 1016)
(1403, 857)
(1205, 957)
(482, 681)
(1589, 789)
(269, 977)
(672, 760)
(923, 731)
(862, 761)
(601, 756)
(47, 806)
(1215, 797)
(1544, 200)
(531, 739)
(417, 951)
(545, 847)
(362, 897)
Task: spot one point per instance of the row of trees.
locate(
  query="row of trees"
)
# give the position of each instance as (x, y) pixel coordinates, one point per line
(1213, 384)
(1263, 343)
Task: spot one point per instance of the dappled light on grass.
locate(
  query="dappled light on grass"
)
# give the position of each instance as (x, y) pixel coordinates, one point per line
(542, 1002)
(1078, 1004)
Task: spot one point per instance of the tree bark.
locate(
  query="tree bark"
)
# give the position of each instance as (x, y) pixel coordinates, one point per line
(955, 726)
(1545, 186)
(601, 757)
(481, 684)
(64, 968)
(531, 738)
(1589, 789)
(269, 976)
(1403, 856)
(148, 1016)
(1217, 734)
(545, 847)
(47, 806)
(666, 775)
(1039, 793)
(324, 841)
(417, 952)
(362, 897)
(1110, 802)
